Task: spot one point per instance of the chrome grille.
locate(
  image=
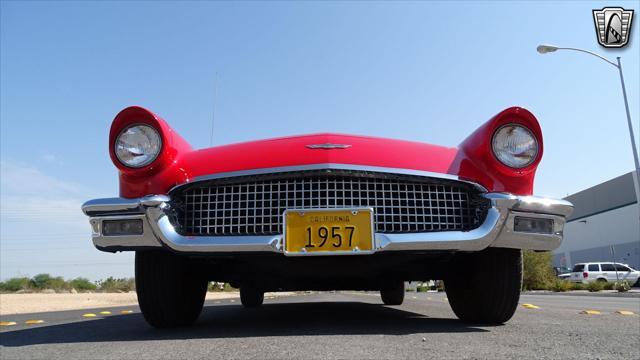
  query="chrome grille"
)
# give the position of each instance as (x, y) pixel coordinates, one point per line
(254, 205)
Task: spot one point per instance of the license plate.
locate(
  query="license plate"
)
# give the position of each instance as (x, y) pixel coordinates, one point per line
(328, 232)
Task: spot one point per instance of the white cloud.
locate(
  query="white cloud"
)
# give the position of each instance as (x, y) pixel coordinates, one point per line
(52, 159)
(26, 180)
(40, 212)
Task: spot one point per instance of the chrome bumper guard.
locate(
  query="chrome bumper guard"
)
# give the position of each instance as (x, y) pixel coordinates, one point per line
(498, 229)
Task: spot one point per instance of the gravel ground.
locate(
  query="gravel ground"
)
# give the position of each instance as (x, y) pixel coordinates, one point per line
(339, 326)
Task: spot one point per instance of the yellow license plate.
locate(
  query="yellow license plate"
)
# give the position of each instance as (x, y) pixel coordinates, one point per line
(328, 232)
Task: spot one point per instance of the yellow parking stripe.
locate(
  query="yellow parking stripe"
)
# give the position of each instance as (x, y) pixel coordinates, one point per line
(126, 311)
(105, 312)
(89, 315)
(625, 312)
(531, 306)
(7, 323)
(590, 312)
(32, 322)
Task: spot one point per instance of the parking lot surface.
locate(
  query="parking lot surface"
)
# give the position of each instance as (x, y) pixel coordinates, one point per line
(336, 326)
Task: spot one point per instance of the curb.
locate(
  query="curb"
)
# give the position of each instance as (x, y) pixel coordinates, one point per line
(608, 293)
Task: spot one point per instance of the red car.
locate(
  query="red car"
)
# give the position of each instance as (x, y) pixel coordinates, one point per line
(326, 212)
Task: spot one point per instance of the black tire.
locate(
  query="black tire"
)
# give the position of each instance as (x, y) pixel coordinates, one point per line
(484, 287)
(601, 280)
(393, 293)
(170, 291)
(251, 296)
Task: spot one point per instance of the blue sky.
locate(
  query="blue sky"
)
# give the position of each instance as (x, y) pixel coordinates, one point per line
(428, 71)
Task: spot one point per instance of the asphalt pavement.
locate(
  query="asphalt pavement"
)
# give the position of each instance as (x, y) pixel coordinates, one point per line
(344, 325)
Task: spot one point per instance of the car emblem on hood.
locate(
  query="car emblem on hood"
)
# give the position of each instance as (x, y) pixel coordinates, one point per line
(328, 146)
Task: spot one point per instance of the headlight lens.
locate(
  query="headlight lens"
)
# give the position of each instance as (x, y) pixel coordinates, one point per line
(138, 146)
(515, 146)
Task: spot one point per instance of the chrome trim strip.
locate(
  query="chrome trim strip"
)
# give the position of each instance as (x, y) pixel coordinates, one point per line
(164, 230)
(496, 231)
(535, 204)
(474, 240)
(329, 166)
(328, 146)
(122, 205)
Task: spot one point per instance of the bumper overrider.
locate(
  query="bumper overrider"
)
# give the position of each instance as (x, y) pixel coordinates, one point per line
(511, 222)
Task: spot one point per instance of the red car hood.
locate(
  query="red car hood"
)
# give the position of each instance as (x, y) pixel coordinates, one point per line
(295, 150)
(178, 163)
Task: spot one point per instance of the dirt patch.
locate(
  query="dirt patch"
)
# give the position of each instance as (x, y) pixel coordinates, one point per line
(33, 303)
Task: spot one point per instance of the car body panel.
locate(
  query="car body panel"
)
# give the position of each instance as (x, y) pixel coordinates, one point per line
(178, 163)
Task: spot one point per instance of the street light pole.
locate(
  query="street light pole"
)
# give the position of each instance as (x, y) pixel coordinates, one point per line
(543, 49)
(633, 139)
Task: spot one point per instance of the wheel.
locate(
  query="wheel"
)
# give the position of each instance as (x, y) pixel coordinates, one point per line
(484, 287)
(601, 280)
(393, 293)
(251, 296)
(170, 291)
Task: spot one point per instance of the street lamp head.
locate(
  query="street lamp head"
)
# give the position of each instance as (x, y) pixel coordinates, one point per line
(543, 49)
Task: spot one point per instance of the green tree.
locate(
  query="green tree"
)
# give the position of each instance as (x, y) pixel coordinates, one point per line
(15, 284)
(46, 281)
(41, 281)
(82, 284)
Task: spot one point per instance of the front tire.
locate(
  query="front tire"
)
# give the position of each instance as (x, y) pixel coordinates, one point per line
(170, 291)
(484, 287)
(393, 293)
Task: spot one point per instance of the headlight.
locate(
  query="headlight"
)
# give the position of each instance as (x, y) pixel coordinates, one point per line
(515, 146)
(138, 146)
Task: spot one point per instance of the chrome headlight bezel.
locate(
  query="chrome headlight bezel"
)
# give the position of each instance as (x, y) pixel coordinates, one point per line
(510, 158)
(154, 142)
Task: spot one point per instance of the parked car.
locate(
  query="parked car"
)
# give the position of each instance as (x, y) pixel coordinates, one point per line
(563, 273)
(605, 272)
(326, 212)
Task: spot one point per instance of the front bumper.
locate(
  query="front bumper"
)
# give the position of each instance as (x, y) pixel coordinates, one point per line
(496, 231)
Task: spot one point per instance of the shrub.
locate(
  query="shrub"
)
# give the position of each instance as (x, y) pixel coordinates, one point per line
(537, 271)
(622, 286)
(607, 285)
(440, 286)
(595, 286)
(560, 285)
(111, 284)
(82, 284)
(578, 286)
(215, 287)
(15, 284)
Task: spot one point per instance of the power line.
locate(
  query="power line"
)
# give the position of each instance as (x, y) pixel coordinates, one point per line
(213, 115)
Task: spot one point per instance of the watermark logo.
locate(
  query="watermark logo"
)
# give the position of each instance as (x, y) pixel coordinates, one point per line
(613, 26)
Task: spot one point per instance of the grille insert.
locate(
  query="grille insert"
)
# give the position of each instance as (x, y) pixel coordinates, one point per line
(253, 205)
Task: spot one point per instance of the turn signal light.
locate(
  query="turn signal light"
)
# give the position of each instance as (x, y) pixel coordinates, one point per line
(122, 227)
(533, 225)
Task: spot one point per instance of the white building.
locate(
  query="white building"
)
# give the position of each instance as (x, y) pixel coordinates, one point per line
(606, 216)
